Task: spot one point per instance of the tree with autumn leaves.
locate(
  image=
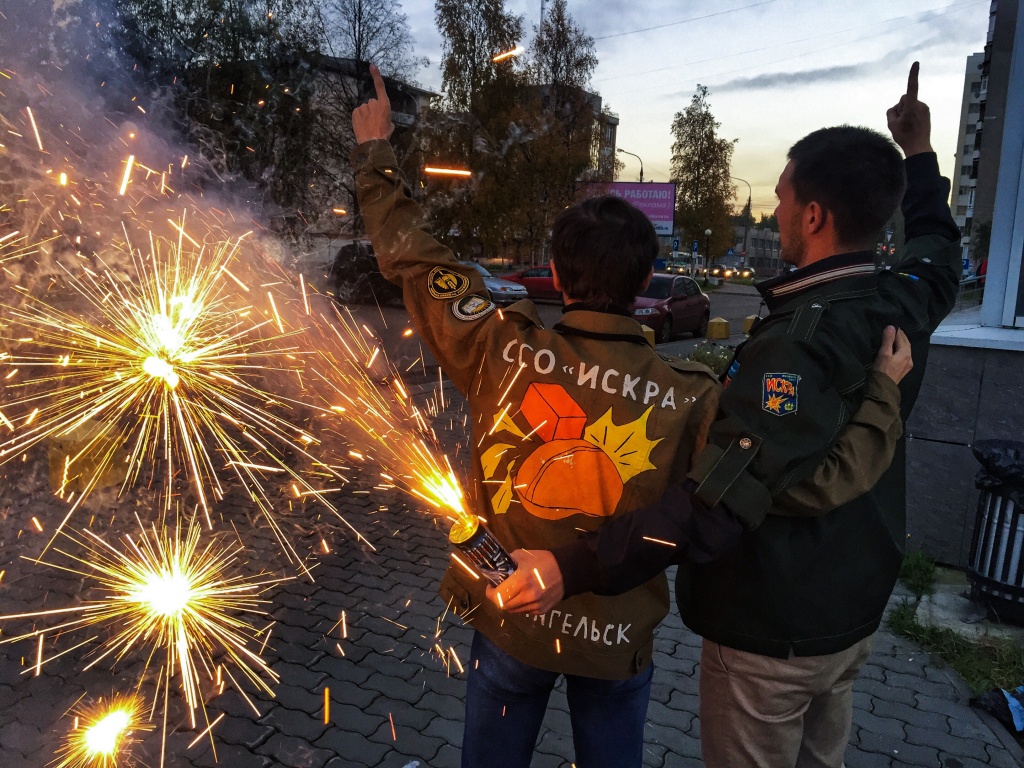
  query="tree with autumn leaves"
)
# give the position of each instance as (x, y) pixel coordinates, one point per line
(700, 168)
(526, 128)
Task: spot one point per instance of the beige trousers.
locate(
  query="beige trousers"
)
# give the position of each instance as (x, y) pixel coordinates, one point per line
(762, 712)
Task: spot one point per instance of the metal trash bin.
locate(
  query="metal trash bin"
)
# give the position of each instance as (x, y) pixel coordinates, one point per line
(996, 566)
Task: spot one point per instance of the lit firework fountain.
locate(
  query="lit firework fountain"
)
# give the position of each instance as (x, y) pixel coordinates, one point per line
(103, 733)
(167, 364)
(170, 595)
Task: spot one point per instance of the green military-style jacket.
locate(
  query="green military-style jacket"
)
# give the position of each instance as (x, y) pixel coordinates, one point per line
(818, 585)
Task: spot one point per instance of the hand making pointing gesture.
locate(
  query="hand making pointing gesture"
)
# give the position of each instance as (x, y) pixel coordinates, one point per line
(910, 121)
(372, 120)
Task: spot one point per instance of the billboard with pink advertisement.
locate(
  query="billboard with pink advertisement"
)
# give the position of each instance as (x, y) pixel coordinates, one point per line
(656, 200)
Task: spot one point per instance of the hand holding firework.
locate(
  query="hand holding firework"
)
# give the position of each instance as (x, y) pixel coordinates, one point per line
(535, 587)
(484, 551)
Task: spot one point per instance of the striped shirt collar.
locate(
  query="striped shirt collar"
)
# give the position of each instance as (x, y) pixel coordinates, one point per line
(790, 284)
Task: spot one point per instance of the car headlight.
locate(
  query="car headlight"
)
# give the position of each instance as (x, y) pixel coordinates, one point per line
(645, 311)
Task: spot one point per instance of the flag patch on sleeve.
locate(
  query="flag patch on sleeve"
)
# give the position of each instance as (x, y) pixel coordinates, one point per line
(779, 394)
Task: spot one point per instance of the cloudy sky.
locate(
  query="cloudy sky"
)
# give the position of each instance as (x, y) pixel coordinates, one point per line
(777, 69)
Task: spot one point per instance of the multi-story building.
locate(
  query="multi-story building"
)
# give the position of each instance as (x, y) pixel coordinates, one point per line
(993, 91)
(760, 250)
(968, 151)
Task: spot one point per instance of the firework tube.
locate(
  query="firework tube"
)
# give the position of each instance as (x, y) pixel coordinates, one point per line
(479, 546)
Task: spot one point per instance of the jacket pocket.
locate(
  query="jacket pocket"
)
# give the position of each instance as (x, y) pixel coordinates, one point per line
(455, 594)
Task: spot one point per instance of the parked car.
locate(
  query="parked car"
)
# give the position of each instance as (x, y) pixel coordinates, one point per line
(538, 282)
(356, 278)
(501, 291)
(672, 304)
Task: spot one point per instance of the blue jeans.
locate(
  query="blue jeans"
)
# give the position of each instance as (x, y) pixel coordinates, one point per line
(506, 701)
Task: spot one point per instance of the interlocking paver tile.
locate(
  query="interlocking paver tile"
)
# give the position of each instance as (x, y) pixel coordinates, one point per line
(242, 731)
(945, 742)
(856, 758)
(408, 741)
(897, 748)
(402, 713)
(304, 725)
(353, 746)
(231, 755)
(293, 752)
(449, 731)
(672, 760)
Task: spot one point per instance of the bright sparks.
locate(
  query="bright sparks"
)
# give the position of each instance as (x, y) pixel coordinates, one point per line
(365, 391)
(104, 734)
(447, 171)
(168, 367)
(508, 54)
(173, 595)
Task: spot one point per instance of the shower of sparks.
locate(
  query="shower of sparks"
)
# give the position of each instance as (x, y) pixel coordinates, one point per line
(166, 367)
(103, 735)
(170, 595)
(364, 390)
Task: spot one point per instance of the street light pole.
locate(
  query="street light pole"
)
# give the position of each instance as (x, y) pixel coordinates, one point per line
(707, 254)
(620, 149)
(749, 216)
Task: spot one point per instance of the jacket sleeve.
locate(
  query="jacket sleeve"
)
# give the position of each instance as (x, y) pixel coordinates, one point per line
(924, 282)
(448, 301)
(778, 419)
(858, 459)
(634, 547)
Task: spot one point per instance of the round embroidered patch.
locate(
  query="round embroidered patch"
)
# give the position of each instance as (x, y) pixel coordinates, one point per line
(472, 307)
(444, 283)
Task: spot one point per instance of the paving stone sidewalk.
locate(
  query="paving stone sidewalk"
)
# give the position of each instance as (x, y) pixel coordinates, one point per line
(395, 687)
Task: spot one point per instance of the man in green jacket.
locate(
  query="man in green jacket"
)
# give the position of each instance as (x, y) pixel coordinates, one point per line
(788, 617)
(571, 426)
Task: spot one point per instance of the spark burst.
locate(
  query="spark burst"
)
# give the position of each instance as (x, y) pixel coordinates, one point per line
(167, 365)
(103, 734)
(170, 595)
(361, 386)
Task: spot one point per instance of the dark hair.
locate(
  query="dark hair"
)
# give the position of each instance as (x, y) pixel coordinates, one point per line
(855, 174)
(603, 249)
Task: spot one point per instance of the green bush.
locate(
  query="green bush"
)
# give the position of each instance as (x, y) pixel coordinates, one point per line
(715, 356)
(918, 573)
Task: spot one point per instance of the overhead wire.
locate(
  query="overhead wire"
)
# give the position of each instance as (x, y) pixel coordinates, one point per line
(685, 21)
(933, 14)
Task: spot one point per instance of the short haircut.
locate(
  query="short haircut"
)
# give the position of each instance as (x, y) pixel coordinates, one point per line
(855, 174)
(603, 249)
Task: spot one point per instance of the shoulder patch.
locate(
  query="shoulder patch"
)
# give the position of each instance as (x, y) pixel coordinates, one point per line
(444, 283)
(472, 307)
(779, 393)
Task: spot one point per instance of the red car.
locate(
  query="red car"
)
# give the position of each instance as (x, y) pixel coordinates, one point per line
(673, 304)
(538, 281)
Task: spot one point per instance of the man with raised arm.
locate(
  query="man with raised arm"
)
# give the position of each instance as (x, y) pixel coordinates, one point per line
(571, 426)
(788, 617)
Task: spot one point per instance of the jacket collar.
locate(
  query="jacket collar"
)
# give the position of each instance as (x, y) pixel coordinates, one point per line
(790, 285)
(604, 324)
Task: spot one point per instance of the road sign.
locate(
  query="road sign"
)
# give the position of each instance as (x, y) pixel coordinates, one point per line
(730, 252)
(675, 244)
(696, 246)
(888, 234)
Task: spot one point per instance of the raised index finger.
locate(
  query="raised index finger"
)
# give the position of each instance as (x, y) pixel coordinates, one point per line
(378, 83)
(912, 81)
